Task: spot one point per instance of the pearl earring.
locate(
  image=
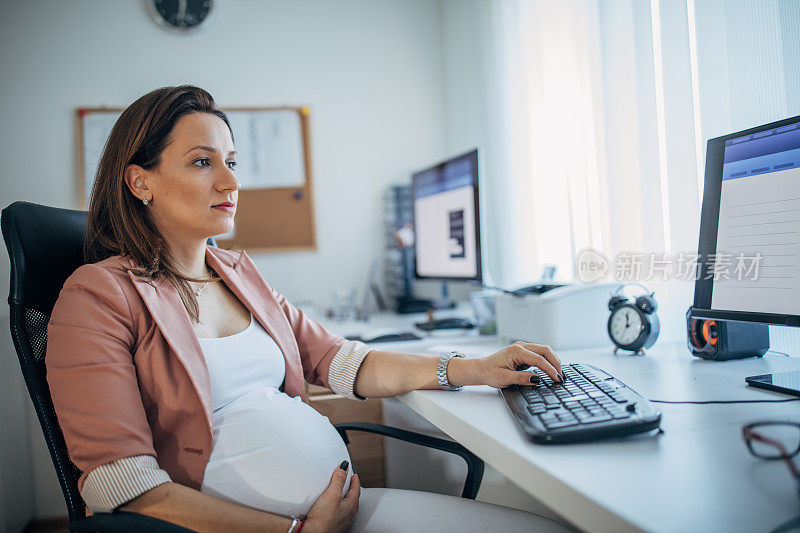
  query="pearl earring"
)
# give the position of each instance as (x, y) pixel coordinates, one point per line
(144, 201)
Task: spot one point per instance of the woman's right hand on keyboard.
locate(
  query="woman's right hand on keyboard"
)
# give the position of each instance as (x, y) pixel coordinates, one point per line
(331, 512)
(505, 367)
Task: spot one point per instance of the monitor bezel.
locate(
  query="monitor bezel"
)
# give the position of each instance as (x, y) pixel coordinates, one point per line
(473, 155)
(709, 225)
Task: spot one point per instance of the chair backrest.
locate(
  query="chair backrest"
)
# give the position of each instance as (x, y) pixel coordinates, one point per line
(45, 246)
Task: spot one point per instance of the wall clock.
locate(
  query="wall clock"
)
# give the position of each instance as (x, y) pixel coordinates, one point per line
(181, 16)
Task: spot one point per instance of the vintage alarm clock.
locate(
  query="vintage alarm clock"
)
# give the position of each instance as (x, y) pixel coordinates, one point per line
(633, 324)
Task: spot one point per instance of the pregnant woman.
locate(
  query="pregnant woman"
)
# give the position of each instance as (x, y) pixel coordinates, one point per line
(177, 373)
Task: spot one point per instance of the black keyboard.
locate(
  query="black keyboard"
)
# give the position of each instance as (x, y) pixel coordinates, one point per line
(590, 405)
(446, 323)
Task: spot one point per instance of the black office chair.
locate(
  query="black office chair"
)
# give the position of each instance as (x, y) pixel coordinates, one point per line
(45, 245)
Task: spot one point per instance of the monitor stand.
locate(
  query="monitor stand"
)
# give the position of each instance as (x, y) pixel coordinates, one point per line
(444, 302)
(409, 304)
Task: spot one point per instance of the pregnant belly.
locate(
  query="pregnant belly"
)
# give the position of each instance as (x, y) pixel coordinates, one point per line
(272, 452)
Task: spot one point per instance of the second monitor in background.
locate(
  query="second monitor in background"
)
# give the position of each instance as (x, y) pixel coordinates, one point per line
(447, 243)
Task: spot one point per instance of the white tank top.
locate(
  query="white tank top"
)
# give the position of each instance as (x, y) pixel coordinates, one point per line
(271, 451)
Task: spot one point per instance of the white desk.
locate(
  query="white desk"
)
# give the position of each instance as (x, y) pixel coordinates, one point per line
(697, 476)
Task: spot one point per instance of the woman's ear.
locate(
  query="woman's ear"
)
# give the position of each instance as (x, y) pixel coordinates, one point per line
(136, 180)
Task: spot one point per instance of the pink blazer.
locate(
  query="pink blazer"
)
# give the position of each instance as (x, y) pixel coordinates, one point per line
(128, 376)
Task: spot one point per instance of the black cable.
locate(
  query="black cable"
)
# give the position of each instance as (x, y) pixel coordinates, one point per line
(729, 401)
(777, 352)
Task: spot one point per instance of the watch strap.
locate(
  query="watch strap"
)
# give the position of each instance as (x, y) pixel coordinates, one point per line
(441, 370)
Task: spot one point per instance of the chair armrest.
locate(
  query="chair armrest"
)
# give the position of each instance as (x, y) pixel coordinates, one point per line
(124, 522)
(474, 463)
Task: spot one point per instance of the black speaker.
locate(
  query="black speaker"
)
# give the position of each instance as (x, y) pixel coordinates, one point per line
(721, 340)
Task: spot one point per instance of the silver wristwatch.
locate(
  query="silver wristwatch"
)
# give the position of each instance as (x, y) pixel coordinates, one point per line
(441, 370)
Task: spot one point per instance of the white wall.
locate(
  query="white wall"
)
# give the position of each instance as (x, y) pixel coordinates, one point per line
(370, 70)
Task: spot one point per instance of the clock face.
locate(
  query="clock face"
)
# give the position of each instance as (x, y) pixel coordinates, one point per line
(181, 15)
(625, 325)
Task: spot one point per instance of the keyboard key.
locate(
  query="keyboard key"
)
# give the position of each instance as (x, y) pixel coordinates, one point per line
(593, 419)
(559, 424)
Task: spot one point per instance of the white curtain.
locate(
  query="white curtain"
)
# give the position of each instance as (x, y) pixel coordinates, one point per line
(544, 166)
(598, 127)
(593, 115)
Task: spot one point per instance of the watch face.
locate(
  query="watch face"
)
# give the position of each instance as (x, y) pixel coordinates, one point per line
(625, 325)
(181, 14)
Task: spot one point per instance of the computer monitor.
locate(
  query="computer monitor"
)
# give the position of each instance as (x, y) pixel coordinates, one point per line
(749, 249)
(447, 241)
(750, 227)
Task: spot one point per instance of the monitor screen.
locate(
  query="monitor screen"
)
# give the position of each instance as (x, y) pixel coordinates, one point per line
(750, 226)
(447, 241)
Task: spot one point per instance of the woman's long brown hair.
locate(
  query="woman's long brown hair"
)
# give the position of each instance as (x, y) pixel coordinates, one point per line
(119, 223)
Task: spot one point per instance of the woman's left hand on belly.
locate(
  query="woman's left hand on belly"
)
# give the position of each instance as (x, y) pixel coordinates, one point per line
(331, 512)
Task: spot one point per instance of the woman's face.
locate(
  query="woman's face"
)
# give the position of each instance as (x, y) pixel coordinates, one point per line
(193, 192)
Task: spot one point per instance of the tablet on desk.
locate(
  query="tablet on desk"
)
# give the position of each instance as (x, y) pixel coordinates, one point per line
(785, 382)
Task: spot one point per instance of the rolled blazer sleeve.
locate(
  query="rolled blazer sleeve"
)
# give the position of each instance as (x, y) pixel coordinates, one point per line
(329, 360)
(95, 391)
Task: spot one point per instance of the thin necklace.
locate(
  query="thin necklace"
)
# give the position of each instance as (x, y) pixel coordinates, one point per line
(201, 289)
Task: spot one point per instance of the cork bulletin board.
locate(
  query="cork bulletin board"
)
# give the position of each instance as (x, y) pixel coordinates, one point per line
(276, 210)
